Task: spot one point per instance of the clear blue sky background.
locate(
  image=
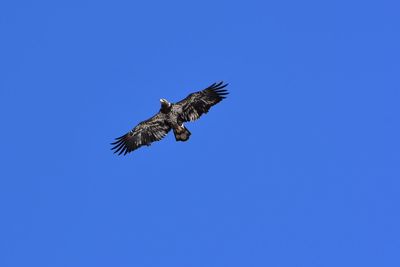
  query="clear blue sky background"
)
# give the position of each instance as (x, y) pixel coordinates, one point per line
(298, 167)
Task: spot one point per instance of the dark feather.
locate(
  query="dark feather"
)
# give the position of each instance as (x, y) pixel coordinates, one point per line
(146, 132)
(198, 103)
(171, 116)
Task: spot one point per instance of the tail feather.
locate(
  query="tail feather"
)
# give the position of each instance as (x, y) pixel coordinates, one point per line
(181, 133)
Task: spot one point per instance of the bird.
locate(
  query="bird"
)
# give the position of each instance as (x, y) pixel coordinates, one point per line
(171, 116)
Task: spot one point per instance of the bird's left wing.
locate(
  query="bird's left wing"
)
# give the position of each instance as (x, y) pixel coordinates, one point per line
(198, 103)
(146, 132)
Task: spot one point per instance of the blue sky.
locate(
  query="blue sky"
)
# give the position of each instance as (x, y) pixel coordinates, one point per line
(299, 166)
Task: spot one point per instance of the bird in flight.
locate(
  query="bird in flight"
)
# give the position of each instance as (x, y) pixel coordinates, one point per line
(171, 116)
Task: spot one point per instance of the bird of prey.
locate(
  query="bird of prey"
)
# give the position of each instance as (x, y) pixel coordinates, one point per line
(171, 116)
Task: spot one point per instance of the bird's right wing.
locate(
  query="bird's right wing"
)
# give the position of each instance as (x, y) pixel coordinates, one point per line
(146, 132)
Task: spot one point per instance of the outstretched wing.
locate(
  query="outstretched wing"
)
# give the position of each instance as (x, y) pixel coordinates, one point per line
(198, 103)
(146, 132)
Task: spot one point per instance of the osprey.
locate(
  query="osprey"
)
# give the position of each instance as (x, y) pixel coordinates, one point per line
(171, 116)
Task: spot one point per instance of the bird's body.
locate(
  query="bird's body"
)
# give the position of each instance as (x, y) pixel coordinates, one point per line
(171, 116)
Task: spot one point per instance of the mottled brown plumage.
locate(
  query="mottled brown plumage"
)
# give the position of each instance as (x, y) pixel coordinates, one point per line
(171, 116)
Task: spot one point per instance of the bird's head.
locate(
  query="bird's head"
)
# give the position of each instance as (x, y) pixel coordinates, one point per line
(165, 105)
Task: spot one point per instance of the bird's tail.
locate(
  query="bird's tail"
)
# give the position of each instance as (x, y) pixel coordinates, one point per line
(181, 133)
